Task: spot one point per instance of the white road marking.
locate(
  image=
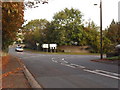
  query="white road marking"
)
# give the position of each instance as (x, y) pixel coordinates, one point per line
(52, 58)
(63, 59)
(54, 61)
(67, 65)
(99, 72)
(65, 62)
(74, 64)
(115, 74)
(114, 77)
(77, 65)
(82, 67)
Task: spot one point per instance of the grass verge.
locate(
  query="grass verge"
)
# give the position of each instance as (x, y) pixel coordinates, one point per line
(64, 53)
(114, 58)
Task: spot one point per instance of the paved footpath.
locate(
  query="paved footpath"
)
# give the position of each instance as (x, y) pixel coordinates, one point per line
(13, 75)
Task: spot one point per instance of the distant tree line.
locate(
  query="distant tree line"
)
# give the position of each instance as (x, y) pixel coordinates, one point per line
(67, 28)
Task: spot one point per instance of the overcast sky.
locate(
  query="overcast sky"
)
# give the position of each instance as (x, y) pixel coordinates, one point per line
(90, 12)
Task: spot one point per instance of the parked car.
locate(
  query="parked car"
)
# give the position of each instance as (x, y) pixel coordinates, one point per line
(117, 46)
(19, 49)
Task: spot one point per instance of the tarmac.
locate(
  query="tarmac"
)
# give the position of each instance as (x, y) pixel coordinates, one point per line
(15, 75)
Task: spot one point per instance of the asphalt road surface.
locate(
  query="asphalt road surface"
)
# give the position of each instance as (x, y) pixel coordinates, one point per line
(69, 71)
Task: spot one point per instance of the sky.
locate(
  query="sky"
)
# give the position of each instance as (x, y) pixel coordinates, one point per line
(89, 11)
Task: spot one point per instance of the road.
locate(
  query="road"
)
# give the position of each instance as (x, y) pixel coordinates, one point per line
(69, 71)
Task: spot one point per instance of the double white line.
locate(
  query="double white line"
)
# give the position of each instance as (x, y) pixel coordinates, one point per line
(104, 73)
(99, 72)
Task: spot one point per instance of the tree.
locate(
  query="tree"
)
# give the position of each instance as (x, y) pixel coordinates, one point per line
(36, 30)
(12, 20)
(113, 32)
(35, 3)
(66, 27)
(92, 37)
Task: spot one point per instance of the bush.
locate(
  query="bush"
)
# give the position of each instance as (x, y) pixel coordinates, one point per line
(112, 54)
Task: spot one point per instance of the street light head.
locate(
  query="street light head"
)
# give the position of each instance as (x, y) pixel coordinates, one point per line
(44, 1)
(95, 4)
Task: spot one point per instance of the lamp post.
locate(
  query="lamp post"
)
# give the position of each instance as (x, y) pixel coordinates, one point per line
(101, 39)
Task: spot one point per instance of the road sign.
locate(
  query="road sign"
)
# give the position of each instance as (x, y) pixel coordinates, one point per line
(45, 46)
(53, 46)
(37, 44)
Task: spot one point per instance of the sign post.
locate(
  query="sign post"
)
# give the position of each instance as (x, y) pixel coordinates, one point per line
(37, 44)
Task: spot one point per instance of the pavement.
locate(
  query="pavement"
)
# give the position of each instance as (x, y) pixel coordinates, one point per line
(13, 75)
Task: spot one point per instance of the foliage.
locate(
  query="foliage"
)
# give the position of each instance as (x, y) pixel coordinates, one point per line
(35, 3)
(111, 37)
(12, 19)
(92, 36)
(114, 58)
(112, 34)
(66, 27)
(35, 32)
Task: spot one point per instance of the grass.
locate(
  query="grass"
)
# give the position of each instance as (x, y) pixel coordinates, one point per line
(114, 58)
(64, 53)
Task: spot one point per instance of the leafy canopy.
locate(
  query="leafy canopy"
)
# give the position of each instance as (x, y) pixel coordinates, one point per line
(12, 20)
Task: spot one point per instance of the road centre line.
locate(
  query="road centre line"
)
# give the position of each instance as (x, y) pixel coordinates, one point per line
(78, 66)
(99, 72)
(63, 59)
(114, 77)
(67, 65)
(54, 61)
(115, 74)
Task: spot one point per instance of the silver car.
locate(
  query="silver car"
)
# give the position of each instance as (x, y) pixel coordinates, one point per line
(19, 49)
